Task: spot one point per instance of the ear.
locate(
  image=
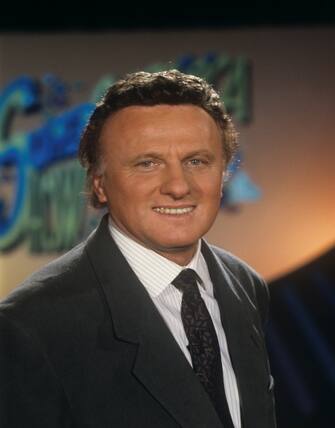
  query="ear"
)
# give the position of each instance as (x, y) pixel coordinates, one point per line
(223, 179)
(98, 187)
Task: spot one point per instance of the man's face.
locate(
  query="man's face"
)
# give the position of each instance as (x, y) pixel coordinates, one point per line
(162, 179)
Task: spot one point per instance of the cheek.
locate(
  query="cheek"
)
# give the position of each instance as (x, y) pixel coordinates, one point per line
(130, 198)
(211, 187)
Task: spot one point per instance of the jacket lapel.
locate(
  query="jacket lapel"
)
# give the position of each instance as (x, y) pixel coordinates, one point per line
(160, 365)
(243, 339)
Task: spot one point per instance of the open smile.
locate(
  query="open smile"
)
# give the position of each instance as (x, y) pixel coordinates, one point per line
(174, 211)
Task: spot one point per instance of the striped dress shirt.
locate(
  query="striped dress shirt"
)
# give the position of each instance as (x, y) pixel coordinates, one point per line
(156, 274)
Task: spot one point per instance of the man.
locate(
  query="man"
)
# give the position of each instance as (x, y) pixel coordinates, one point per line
(144, 324)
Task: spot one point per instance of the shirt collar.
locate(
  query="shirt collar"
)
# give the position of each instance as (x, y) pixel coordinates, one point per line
(153, 270)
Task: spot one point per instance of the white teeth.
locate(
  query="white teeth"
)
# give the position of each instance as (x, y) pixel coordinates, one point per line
(174, 211)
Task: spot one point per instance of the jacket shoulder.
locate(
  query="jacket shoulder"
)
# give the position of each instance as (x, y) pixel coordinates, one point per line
(251, 282)
(52, 292)
(48, 277)
(236, 265)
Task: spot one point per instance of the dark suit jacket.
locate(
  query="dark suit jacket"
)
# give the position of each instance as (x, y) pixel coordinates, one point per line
(82, 345)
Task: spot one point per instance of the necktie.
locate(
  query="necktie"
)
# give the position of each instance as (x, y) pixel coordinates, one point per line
(203, 343)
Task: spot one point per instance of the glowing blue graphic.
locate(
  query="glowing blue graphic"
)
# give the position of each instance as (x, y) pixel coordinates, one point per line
(59, 138)
(13, 158)
(240, 187)
(56, 140)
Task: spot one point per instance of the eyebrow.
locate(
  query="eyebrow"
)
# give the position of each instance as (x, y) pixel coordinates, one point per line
(148, 155)
(156, 155)
(200, 152)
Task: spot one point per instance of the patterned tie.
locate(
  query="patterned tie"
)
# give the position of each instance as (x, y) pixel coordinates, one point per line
(203, 343)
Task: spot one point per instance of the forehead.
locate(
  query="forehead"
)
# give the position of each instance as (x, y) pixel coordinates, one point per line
(160, 120)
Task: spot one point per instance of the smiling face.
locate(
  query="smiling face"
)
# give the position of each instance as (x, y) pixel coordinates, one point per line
(162, 176)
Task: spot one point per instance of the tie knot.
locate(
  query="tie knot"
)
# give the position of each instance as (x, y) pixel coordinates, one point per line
(187, 279)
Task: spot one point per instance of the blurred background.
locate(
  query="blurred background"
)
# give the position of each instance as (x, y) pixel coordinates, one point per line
(275, 71)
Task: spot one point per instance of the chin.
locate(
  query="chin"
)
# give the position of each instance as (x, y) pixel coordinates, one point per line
(177, 245)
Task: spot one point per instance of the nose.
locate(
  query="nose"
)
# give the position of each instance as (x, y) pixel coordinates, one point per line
(175, 182)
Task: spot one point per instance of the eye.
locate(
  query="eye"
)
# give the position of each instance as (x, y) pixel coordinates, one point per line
(196, 162)
(147, 164)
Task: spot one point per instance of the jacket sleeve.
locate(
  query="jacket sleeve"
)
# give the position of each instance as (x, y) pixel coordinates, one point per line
(30, 394)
